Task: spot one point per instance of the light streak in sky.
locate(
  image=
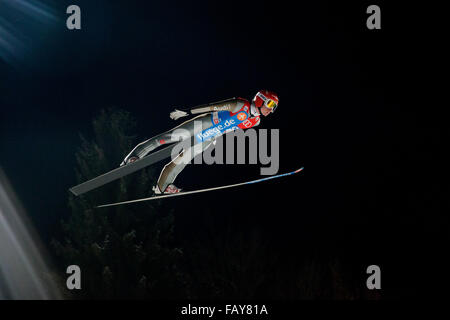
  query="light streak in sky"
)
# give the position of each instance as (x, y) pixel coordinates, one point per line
(24, 271)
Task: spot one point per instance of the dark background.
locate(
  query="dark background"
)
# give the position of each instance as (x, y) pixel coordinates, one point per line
(349, 112)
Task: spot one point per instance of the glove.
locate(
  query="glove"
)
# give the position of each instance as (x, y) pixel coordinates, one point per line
(175, 115)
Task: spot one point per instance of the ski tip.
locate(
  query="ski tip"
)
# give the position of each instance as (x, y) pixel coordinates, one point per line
(298, 170)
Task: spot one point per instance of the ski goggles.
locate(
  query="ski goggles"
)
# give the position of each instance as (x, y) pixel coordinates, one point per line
(269, 103)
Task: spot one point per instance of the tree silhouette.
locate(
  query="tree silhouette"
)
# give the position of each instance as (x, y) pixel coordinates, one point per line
(123, 251)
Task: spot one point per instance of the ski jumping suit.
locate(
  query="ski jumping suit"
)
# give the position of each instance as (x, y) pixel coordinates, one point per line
(216, 119)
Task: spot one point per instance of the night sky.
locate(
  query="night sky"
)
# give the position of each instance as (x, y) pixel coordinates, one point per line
(345, 114)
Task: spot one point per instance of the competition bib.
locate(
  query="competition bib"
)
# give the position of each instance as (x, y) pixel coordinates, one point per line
(223, 122)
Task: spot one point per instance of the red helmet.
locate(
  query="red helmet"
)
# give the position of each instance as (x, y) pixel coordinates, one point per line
(266, 98)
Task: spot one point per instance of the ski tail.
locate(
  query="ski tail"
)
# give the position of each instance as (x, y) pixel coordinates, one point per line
(201, 190)
(128, 168)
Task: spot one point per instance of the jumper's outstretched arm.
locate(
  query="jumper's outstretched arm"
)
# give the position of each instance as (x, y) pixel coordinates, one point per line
(224, 105)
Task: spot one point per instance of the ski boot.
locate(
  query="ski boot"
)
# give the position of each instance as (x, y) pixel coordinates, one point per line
(171, 188)
(129, 160)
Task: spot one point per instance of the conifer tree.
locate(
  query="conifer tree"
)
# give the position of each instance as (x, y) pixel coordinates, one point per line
(123, 251)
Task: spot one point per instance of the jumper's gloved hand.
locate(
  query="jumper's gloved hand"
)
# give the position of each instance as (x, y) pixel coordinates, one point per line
(175, 115)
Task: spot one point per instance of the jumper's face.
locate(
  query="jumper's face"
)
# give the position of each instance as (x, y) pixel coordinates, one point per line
(265, 111)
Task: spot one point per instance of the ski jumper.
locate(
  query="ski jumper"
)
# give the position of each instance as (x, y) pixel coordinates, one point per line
(216, 119)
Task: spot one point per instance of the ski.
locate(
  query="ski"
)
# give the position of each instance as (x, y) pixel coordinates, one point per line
(201, 190)
(124, 170)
